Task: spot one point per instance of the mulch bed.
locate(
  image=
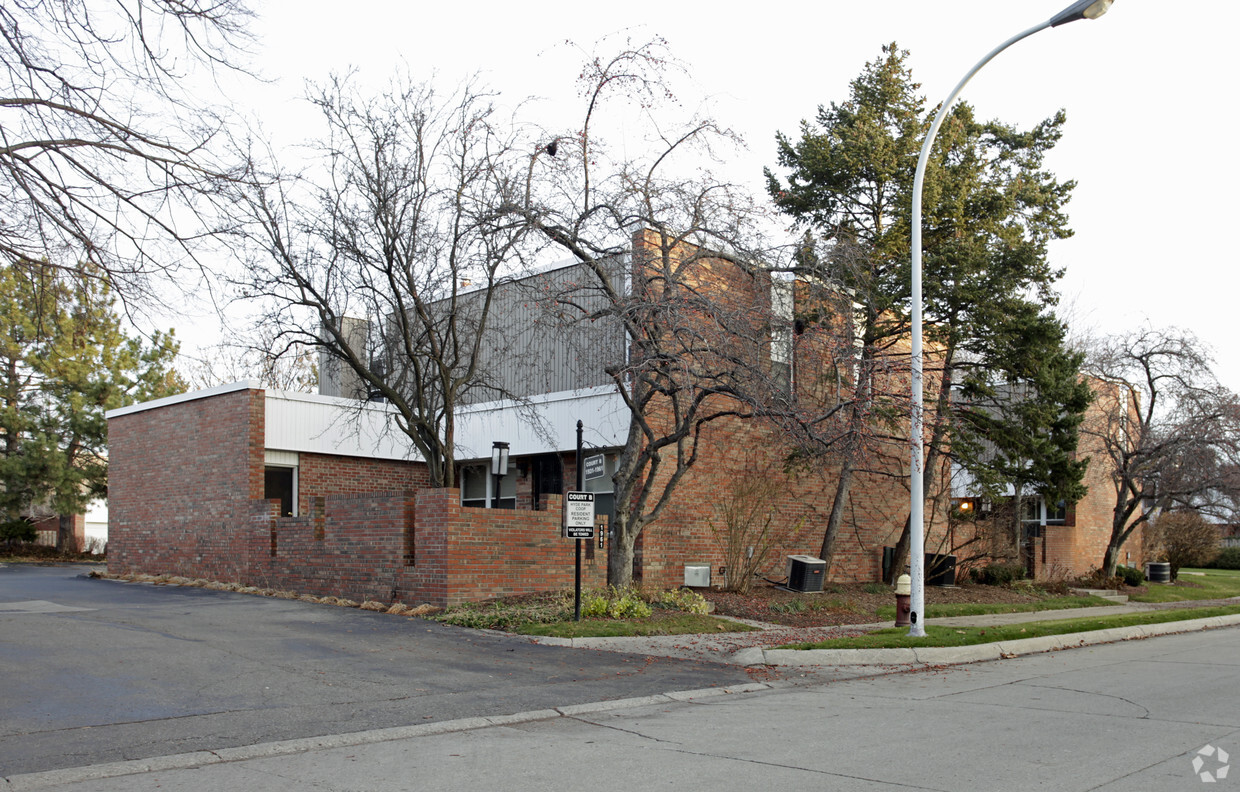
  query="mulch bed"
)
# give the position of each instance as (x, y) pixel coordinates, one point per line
(842, 603)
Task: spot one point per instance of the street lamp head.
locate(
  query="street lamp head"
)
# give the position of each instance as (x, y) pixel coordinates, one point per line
(1082, 9)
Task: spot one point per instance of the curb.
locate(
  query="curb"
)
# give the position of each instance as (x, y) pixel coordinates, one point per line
(51, 779)
(950, 655)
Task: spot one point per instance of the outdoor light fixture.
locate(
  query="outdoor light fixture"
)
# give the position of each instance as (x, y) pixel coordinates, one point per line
(1085, 9)
(1082, 9)
(499, 466)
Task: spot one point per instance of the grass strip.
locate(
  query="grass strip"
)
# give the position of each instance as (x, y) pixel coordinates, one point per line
(667, 624)
(898, 638)
(1211, 584)
(946, 609)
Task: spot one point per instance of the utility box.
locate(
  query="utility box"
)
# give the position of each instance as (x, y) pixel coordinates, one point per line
(697, 575)
(805, 573)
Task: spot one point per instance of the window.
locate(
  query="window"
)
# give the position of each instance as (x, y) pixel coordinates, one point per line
(782, 327)
(278, 484)
(474, 486)
(1036, 510)
(280, 480)
(1057, 514)
(477, 487)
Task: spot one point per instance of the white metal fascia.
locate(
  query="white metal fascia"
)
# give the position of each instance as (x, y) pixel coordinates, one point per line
(541, 424)
(181, 398)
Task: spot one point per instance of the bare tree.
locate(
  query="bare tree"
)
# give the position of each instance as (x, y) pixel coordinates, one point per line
(258, 356)
(387, 256)
(102, 152)
(1168, 431)
(697, 305)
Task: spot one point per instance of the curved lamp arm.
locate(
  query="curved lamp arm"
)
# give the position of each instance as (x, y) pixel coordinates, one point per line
(1082, 9)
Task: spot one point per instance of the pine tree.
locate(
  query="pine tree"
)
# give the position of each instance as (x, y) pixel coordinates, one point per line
(990, 212)
(65, 361)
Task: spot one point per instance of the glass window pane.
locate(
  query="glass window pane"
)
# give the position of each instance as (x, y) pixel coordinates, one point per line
(473, 483)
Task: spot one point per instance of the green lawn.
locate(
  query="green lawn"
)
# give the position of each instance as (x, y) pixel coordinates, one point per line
(1212, 584)
(664, 624)
(898, 638)
(982, 608)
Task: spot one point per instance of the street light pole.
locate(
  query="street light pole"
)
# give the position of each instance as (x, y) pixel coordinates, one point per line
(1082, 9)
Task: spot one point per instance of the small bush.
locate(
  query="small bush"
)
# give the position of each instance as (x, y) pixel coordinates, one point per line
(1099, 579)
(615, 604)
(999, 574)
(683, 599)
(1130, 575)
(1183, 538)
(1228, 558)
(876, 588)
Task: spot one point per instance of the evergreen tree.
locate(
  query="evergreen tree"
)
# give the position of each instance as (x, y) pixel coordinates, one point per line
(1020, 429)
(64, 361)
(990, 212)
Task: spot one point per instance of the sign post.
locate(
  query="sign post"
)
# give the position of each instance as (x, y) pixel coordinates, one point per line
(580, 486)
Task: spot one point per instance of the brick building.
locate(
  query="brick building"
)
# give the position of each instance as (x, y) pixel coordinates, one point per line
(1054, 540)
(318, 493)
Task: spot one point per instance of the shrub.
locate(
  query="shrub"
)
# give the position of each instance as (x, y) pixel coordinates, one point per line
(1183, 539)
(615, 604)
(1130, 575)
(747, 524)
(790, 606)
(998, 574)
(1228, 558)
(1098, 579)
(685, 600)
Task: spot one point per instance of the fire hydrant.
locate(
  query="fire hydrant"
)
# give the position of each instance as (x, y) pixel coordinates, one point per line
(904, 590)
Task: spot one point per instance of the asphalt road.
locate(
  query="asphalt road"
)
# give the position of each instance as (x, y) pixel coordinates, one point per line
(95, 671)
(1153, 714)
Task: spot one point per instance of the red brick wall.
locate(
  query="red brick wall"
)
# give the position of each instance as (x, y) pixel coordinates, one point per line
(493, 552)
(732, 449)
(179, 477)
(186, 499)
(324, 474)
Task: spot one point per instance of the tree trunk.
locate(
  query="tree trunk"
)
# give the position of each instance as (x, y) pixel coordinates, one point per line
(899, 556)
(620, 552)
(66, 540)
(836, 518)
(1111, 559)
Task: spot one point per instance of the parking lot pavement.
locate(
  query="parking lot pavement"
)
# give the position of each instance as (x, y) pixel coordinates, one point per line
(102, 671)
(1143, 714)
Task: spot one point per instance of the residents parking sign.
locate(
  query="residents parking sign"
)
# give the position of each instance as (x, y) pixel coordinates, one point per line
(579, 515)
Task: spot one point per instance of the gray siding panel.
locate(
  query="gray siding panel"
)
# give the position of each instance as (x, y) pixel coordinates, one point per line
(541, 337)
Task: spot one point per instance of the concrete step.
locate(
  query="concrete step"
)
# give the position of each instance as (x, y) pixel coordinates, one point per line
(1105, 594)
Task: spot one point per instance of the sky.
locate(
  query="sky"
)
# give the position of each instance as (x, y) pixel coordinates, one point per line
(1149, 135)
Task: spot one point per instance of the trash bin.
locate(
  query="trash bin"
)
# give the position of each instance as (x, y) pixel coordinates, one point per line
(940, 569)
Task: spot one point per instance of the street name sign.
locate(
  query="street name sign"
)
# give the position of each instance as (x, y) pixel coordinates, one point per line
(595, 467)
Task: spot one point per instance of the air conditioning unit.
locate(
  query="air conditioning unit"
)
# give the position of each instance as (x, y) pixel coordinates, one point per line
(805, 573)
(697, 575)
